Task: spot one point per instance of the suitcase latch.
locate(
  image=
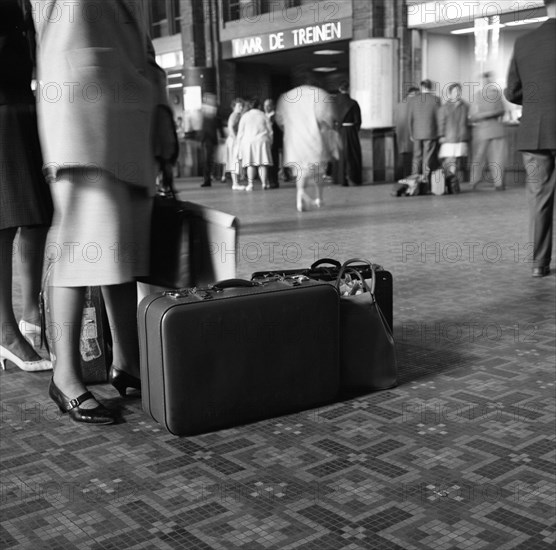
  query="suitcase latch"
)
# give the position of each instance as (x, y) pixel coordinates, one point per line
(295, 280)
(176, 293)
(203, 293)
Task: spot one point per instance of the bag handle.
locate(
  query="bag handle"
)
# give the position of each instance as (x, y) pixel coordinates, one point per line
(234, 283)
(165, 185)
(322, 261)
(345, 267)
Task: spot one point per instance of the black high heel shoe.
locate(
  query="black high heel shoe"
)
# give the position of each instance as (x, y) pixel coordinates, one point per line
(96, 415)
(122, 380)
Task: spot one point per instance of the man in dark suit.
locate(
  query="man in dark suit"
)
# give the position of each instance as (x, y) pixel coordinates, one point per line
(403, 142)
(422, 119)
(532, 83)
(350, 165)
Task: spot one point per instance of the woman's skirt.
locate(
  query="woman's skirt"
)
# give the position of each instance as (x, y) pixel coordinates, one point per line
(24, 194)
(233, 163)
(453, 150)
(256, 153)
(100, 233)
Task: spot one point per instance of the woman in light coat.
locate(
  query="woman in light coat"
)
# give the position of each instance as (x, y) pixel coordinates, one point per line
(105, 128)
(306, 115)
(254, 144)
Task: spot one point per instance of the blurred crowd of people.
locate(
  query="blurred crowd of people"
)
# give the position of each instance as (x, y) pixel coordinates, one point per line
(308, 135)
(432, 135)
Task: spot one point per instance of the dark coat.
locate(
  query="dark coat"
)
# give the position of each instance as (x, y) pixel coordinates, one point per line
(423, 116)
(454, 122)
(350, 161)
(405, 145)
(532, 83)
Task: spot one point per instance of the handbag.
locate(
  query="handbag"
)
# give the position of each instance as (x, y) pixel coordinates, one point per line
(170, 262)
(367, 350)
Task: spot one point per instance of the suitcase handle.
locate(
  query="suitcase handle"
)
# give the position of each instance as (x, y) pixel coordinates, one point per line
(330, 261)
(234, 283)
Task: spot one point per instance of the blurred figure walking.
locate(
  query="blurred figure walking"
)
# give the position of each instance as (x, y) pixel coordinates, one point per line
(489, 141)
(302, 112)
(532, 68)
(210, 130)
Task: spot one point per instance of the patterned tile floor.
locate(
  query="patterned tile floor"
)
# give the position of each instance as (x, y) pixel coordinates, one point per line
(461, 455)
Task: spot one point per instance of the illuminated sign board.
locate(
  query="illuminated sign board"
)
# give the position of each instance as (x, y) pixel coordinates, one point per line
(287, 39)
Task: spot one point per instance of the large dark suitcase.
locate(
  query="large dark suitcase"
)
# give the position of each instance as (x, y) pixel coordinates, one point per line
(327, 269)
(238, 352)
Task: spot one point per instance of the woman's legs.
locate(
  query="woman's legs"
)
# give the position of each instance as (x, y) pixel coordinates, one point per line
(318, 180)
(121, 306)
(251, 175)
(263, 175)
(304, 177)
(31, 261)
(10, 336)
(235, 179)
(449, 164)
(66, 310)
(303, 199)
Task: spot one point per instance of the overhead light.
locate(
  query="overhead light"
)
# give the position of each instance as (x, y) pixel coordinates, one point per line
(175, 75)
(175, 85)
(328, 52)
(527, 21)
(472, 29)
(325, 69)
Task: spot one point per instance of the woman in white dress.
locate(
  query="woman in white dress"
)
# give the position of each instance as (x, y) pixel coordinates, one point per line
(254, 144)
(305, 113)
(233, 163)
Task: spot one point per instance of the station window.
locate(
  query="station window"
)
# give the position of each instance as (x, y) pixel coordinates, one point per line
(234, 10)
(164, 18)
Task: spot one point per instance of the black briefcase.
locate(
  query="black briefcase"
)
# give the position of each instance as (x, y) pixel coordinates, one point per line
(238, 352)
(327, 270)
(191, 244)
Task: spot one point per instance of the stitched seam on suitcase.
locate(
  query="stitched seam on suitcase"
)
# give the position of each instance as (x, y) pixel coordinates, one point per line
(152, 398)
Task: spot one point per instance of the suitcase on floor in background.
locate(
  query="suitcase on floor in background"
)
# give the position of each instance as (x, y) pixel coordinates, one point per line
(327, 270)
(438, 182)
(237, 352)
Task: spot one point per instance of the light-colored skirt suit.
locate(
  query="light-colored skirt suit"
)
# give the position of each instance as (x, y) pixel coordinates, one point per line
(255, 139)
